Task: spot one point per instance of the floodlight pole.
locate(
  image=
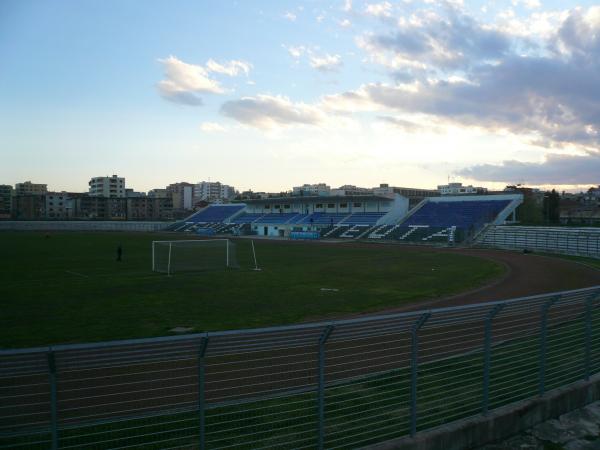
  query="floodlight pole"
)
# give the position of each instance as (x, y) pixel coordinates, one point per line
(227, 250)
(153, 263)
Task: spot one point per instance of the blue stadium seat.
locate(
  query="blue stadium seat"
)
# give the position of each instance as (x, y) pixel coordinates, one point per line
(467, 214)
(298, 218)
(324, 218)
(246, 218)
(215, 213)
(278, 218)
(364, 218)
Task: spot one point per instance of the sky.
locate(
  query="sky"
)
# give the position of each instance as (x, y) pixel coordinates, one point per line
(266, 95)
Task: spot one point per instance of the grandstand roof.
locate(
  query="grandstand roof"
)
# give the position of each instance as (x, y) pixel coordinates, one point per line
(320, 198)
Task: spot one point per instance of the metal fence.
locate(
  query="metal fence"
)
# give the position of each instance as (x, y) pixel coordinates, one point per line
(571, 241)
(81, 225)
(339, 384)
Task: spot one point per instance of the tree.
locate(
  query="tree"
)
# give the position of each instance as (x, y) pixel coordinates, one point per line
(530, 211)
(551, 207)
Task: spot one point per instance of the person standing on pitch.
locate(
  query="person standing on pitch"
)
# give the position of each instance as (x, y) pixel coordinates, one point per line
(119, 252)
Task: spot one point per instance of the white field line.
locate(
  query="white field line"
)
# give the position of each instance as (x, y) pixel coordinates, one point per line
(77, 274)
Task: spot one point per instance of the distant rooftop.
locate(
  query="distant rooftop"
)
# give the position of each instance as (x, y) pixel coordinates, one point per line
(318, 198)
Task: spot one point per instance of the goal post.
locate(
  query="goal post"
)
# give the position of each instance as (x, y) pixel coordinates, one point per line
(193, 255)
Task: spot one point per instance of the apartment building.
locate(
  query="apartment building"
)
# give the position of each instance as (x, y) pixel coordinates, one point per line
(158, 193)
(6, 194)
(415, 195)
(459, 189)
(150, 208)
(350, 189)
(213, 191)
(108, 187)
(57, 205)
(98, 208)
(29, 207)
(309, 190)
(181, 195)
(29, 188)
(131, 193)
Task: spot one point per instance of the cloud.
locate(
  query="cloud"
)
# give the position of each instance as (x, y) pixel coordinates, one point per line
(211, 127)
(184, 82)
(295, 52)
(434, 41)
(556, 169)
(326, 63)
(269, 112)
(347, 6)
(460, 71)
(321, 62)
(349, 102)
(551, 99)
(401, 124)
(290, 16)
(383, 9)
(452, 70)
(529, 4)
(232, 68)
(345, 23)
(171, 94)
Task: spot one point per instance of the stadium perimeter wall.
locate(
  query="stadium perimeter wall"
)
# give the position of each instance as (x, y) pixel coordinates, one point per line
(81, 225)
(565, 240)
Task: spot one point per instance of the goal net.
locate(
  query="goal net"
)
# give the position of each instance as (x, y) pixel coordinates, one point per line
(188, 256)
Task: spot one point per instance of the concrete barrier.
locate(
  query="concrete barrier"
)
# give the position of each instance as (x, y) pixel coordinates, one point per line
(501, 423)
(80, 225)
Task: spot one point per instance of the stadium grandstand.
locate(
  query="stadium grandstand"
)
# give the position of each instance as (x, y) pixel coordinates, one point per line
(210, 217)
(452, 219)
(441, 220)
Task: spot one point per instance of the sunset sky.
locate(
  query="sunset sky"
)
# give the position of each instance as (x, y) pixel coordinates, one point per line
(268, 95)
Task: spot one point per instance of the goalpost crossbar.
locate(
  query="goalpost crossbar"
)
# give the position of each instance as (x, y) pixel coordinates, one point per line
(188, 240)
(192, 255)
(186, 255)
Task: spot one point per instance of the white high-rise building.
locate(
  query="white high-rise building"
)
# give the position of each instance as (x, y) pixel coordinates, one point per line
(459, 189)
(110, 187)
(213, 191)
(350, 189)
(311, 189)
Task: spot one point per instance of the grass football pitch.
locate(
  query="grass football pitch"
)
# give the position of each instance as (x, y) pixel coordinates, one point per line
(68, 287)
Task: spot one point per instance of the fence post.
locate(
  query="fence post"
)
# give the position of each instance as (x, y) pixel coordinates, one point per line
(588, 334)
(201, 390)
(543, 343)
(487, 356)
(414, 362)
(321, 388)
(53, 398)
